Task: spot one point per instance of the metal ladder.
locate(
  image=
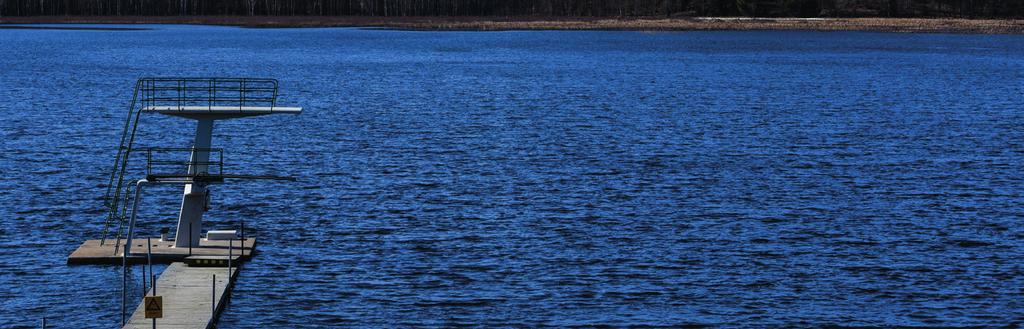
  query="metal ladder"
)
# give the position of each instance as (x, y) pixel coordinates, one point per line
(113, 198)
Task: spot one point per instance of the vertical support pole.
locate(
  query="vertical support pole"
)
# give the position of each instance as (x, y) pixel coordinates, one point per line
(144, 280)
(124, 284)
(231, 247)
(149, 258)
(44, 323)
(152, 276)
(243, 240)
(135, 211)
(193, 201)
(213, 298)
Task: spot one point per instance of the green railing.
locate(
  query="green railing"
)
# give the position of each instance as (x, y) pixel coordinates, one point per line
(209, 92)
(164, 162)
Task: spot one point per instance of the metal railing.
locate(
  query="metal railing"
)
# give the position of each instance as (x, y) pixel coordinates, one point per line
(208, 92)
(159, 165)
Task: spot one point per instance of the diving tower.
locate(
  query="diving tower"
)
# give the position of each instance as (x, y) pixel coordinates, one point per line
(196, 263)
(195, 198)
(205, 101)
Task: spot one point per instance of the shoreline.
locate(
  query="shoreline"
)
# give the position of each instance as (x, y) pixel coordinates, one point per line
(921, 25)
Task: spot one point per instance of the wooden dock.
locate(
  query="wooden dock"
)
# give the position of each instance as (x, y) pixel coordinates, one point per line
(197, 284)
(188, 298)
(91, 252)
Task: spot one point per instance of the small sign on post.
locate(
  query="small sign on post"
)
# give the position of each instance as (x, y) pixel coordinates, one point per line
(154, 307)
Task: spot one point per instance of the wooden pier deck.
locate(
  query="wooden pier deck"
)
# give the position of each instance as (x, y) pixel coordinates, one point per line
(187, 298)
(91, 252)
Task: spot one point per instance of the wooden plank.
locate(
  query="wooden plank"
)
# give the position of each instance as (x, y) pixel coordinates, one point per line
(187, 298)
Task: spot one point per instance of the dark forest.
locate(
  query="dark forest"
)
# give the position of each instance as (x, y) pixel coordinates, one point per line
(554, 8)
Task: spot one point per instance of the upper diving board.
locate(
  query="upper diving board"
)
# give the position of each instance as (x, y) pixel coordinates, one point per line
(210, 98)
(220, 112)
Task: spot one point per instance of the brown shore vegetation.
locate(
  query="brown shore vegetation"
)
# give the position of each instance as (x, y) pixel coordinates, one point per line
(518, 8)
(933, 25)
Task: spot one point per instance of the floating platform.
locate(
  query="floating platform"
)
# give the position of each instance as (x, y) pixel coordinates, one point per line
(91, 252)
(189, 298)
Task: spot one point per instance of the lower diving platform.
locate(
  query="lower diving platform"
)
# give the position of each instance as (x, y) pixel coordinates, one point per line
(93, 253)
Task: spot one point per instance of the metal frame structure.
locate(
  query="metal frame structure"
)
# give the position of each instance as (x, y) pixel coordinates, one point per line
(204, 100)
(210, 92)
(159, 169)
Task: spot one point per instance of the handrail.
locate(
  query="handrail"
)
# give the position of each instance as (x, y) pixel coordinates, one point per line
(209, 92)
(111, 201)
(213, 167)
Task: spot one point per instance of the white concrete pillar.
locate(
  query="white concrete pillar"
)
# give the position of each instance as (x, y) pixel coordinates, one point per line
(193, 203)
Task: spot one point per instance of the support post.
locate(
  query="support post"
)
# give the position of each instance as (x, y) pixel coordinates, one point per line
(149, 259)
(193, 202)
(144, 280)
(231, 247)
(243, 240)
(124, 285)
(213, 298)
(135, 212)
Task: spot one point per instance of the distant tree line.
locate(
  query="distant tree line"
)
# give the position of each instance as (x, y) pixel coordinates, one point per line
(595, 8)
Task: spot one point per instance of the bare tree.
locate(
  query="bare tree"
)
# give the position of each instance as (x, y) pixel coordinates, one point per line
(904, 8)
(252, 7)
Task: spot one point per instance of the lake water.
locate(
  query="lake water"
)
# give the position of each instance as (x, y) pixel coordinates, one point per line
(549, 178)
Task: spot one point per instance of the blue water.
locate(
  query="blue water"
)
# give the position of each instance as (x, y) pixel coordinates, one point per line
(528, 179)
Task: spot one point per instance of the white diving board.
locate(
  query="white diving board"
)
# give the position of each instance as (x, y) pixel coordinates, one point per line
(220, 112)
